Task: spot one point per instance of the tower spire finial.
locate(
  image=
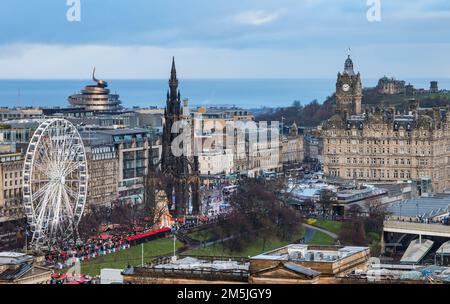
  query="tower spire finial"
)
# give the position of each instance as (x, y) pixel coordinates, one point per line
(174, 70)
(349, 51)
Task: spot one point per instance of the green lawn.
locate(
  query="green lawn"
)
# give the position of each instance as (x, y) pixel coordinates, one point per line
(252, 249)
(121, 259)
(332, 226)
(321, 238)
(202, 235)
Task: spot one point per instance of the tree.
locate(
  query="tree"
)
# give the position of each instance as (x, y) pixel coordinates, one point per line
(364, 228)
(258, 214)
(327, 197)
(310, 114)
(377, 214)
(374, 225)
(353, 233)
(354, 211)
(91, 220)
(127, 216)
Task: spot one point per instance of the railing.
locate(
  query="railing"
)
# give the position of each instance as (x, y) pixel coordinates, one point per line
(420, 227)
(241, 260)
(168, 259)
(204, 274)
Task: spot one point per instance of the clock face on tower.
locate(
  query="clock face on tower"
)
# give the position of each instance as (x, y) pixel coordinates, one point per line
(346, 87)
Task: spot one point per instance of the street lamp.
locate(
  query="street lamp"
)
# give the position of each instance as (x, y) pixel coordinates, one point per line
(417, 206)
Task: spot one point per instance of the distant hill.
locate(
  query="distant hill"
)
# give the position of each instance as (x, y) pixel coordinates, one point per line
(308, 115)
(313, 113)
(427, 100)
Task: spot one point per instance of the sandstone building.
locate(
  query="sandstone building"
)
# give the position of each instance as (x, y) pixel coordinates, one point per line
(383, 145)
(11, 208)
(348, 90)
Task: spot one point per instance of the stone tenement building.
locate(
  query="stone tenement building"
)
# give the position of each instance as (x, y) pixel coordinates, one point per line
(11, 208)
(103, 168)
(124, 155)
(292, 152)
(382, 145)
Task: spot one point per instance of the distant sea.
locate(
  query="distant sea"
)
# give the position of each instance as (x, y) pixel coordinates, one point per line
(246, 93)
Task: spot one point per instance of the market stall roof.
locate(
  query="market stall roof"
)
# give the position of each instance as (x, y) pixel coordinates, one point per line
(147, 234)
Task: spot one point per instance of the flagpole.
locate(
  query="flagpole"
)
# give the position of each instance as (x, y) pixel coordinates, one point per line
(174, 246)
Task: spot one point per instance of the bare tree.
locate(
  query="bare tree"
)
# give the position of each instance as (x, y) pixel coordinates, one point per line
(327, 197)
(353, 233)
(258, 213)
(91, 220)
(377, 213)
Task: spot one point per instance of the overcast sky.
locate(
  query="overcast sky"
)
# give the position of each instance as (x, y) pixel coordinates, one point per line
(224, 38)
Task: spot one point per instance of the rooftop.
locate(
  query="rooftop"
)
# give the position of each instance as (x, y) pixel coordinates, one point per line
(191, 263)
(444, 249)
(300, 252)
(425, 207)
(416, 251)
(121, 131)
(14, 258)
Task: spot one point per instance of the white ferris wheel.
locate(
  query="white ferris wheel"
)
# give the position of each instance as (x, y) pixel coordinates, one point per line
(54, 183)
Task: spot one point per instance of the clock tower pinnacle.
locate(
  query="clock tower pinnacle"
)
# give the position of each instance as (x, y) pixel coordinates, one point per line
(348, 90)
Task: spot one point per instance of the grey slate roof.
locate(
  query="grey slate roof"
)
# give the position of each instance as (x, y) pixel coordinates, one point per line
(12, 274)
(302, 270)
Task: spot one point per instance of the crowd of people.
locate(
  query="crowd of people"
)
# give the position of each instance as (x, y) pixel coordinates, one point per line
(92, 248)
(104, 244)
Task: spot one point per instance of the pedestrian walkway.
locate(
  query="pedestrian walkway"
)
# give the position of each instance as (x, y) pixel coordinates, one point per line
(329, 233)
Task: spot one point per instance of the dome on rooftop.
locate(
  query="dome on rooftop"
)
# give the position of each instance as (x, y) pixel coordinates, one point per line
(349, 66)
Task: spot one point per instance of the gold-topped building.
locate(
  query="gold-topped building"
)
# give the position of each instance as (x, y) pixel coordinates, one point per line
(96, 97)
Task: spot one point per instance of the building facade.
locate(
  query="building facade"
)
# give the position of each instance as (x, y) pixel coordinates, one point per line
(265, 151)
(292, 148)
(19, 113)
(131, 147)
(252, 150)
(313, 148)
(214, 162)
(103, 168)
(385, 146)
(11, 208)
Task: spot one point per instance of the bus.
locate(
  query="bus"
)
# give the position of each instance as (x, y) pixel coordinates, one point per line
(229, 190)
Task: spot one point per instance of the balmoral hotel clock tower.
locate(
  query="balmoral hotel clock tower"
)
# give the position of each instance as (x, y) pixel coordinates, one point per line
(348, 91)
